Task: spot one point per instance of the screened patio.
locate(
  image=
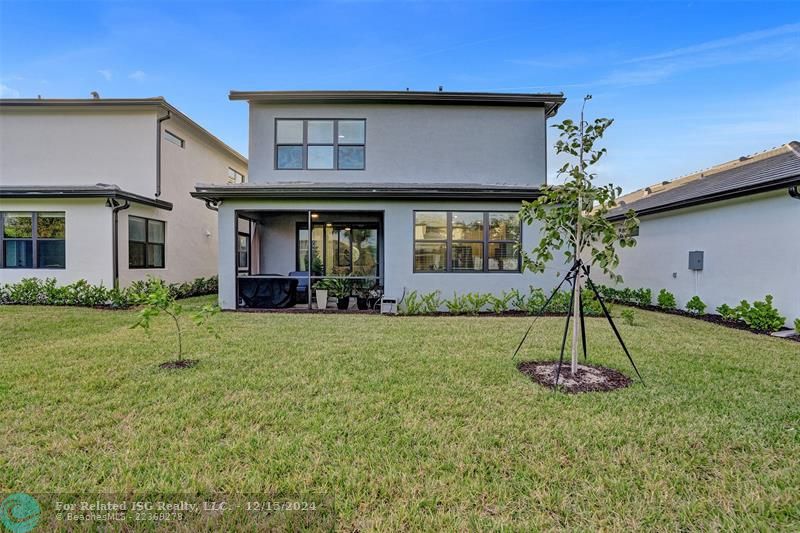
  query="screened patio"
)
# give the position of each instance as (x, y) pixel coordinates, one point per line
(279, 266)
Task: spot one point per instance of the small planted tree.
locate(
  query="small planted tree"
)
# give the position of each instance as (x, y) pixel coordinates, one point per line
(157, 299)
(573, 215)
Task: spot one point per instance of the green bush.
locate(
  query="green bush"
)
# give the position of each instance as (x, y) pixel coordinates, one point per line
(727, 312)
(35, 291)
(629, 317)
(696, 306)
(500, 304)
(797, 325)
(457, 305)
(666, 299)
(476, 301)
(761, 316)
(421, 304)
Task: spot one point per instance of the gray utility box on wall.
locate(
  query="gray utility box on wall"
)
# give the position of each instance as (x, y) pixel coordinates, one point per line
(696, 260)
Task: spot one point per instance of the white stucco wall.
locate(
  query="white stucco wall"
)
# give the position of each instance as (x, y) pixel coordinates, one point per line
(751, 246)
(398, 247)
(116, 145)
(47, 146)
(191, 228)
(87, 241)
(418, 143)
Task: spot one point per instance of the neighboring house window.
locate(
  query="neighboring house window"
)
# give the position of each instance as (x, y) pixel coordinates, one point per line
(320, 144)
(174, 139)
(339, 249)
(243, 252)
(234, 176)
(466, 241)
(33, 240)
(145, 242)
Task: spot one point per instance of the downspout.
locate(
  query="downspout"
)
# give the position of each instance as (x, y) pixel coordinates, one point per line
(158, 152)
(116, 208)
(794, 192)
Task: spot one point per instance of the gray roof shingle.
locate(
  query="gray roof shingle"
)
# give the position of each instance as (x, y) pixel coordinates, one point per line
(770, 170)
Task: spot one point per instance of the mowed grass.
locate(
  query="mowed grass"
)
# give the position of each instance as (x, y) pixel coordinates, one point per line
(408, 423)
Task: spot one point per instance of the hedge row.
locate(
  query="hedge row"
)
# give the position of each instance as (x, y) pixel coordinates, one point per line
(35, 291)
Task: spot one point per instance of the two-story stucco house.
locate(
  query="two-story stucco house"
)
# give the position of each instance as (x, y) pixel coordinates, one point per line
(100, 189)
(398, 190)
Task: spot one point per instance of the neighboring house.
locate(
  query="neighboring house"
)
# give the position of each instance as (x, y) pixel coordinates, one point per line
(728, 233)
(403, 190)
(100, 190)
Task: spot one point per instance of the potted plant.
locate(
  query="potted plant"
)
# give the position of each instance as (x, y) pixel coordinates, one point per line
(321, 289)
(341, 289)
(367, 295)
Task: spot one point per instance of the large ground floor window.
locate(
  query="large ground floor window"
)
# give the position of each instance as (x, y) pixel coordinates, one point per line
(339, 249)
(466, 241)
(33, 240)
(146, 240)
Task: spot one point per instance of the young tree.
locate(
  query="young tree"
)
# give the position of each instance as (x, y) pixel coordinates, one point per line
(573, 215)
(157, 299)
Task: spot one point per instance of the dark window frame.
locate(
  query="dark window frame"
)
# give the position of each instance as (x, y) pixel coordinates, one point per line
(174, 139)
(300, 226)
(239, 268)
(234, 175)
(146, 243)
(306, 144)
(34, 239)
(449, 241)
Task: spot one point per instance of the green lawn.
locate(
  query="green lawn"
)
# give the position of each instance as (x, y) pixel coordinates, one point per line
(399, 422)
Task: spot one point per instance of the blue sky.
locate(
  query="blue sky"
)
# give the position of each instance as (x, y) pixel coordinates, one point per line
(690, 84)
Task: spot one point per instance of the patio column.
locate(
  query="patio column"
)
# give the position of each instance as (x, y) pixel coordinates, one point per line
(308, 263)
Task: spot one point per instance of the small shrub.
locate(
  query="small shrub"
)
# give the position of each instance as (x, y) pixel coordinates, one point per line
(431, 302)
(500, 304)
(457, 305)
(535, 302)
(412, 304)
(476, 301)
(761, 316)
(797, 325)
(696, 305)
(666, 299)
(560, 302)
(727, 312)
(518, 300)
(643, 297)
(628, 316)
(591, 305)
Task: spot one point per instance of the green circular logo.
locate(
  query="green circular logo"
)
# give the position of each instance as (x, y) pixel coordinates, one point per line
(20, 513)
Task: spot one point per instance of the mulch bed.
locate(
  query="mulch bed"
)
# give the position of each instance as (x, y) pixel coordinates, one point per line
(179, 364)
(795, 338)
(589, 378)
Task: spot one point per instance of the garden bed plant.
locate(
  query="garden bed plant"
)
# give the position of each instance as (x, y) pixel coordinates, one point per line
(35, 291)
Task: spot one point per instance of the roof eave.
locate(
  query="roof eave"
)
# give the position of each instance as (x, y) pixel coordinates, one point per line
(551, 102)
(710, 198)
(22, 192)
(223, 193)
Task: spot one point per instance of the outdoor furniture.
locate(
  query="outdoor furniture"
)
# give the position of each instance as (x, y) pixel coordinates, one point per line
(270, 291)
(301, 292)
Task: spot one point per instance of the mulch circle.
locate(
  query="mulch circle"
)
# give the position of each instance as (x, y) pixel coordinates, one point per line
(589, 378)
(180, 363)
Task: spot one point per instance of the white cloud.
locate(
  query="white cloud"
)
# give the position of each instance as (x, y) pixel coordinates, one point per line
(8, 92)
(107, 74)
(137, 75)
(728, 42)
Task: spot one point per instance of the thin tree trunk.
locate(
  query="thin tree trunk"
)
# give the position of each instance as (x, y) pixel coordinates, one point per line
(576, 323)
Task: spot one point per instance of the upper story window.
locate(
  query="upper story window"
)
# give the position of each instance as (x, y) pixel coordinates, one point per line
(466, 241)
(320, 144)
(174, 139)
(146, 239)
(234, 176)
(33, 240)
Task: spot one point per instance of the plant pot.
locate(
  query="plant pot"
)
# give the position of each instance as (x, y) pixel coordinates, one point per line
(322, 298)
(362, 304)
(343, 303)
